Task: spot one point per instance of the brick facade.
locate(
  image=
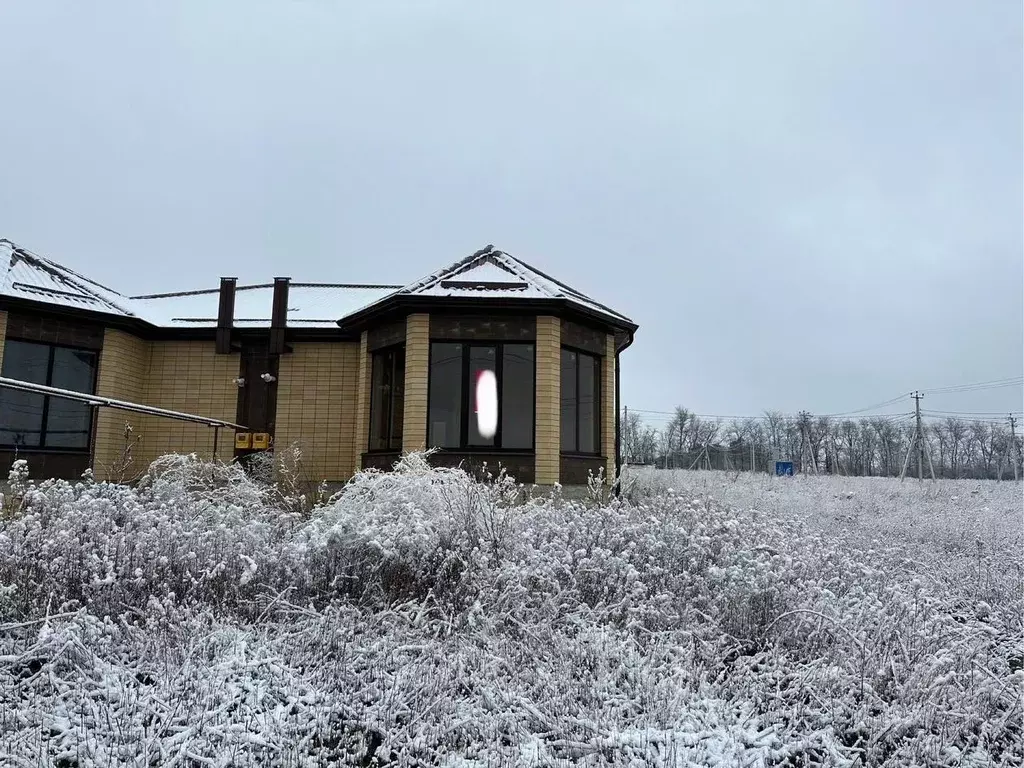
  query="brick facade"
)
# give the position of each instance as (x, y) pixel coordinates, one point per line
(417, 364)
(317, 393)
(547, 442)
(54, 330)
(322, 395)
(583, 337)
(123, 374)
(483, 327)
(189, 376)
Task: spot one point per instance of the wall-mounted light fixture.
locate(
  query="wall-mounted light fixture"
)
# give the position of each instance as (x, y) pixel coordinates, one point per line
(239, 381)
(268, 377)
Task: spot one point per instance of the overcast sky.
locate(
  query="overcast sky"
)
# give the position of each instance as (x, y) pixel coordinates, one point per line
(803, 205)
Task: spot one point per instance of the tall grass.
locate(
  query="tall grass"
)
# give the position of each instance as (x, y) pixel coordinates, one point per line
(420, 617)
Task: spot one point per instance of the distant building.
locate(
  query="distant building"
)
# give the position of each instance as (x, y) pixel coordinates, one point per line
(355, 374)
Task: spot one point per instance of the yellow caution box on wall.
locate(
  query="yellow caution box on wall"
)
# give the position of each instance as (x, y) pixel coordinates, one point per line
(260, 441)
(243, 440)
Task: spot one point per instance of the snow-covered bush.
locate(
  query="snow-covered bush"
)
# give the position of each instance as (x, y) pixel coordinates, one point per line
(421, 617)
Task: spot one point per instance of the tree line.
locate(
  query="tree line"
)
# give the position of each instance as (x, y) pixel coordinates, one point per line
(871, 445)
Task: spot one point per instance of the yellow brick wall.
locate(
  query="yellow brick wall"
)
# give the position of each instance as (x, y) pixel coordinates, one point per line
(361, 433)
(548, 433)
(189, 376)
(123, 372)
(417, 363)
(317, 394)
(608, 406)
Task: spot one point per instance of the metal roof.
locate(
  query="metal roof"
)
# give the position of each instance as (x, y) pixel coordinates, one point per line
(490, 273)
(30, 276)
(309, 305)
(487, 274)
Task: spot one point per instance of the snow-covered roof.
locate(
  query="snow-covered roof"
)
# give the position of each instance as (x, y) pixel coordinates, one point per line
(310, 305)
(27, 275)
(488, 273)
(494, 274)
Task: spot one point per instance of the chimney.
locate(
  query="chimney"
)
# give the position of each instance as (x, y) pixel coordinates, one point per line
(226, 314)
(279, 315)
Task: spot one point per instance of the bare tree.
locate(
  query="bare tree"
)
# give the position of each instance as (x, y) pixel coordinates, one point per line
(875, 445)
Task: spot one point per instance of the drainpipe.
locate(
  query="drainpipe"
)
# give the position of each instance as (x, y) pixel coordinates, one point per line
(618, 425)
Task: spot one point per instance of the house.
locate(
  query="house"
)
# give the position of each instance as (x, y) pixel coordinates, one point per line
(355, 374)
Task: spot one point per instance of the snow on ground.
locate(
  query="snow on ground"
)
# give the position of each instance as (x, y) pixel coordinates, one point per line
(422, 619)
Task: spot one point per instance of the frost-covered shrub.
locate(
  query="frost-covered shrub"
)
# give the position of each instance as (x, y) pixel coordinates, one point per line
(408, 533)
(195, 531)
(423, 616)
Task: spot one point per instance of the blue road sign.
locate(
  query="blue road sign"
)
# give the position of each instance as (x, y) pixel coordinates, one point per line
(784, 468)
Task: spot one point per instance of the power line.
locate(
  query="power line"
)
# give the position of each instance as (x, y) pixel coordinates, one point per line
(970, 413)
(896, 399)
(1015, 381)
(665, 416)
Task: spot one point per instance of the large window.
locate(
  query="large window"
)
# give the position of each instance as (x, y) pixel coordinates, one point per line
(30, 420)
(454, 368)
(387, 399)
(581, 375)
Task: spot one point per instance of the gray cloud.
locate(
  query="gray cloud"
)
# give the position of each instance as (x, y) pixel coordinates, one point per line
(803, 206)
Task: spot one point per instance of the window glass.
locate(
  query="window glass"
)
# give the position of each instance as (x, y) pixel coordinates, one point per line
(581, 402)
(68, 424)
(26, 361)
(398, 401)
(480, 359)
(21, 413)
(445, 408)
(73, 369)
(587, 404)
(21, 418)
(380, 388)
(387, 398)
(517, 403)
(568, 400)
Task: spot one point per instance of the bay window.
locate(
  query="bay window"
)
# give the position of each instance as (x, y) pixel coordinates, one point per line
(580, 402)
(32, 420)
(454, 369)
(387, 399)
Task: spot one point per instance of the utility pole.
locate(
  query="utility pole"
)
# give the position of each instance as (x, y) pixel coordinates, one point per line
(917, 442)
(1012, 452)
(625, 423)
(1016, 447)
(806, 451)
(920, 438)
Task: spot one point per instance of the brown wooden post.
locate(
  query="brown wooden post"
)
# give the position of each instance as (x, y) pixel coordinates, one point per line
(225, 315)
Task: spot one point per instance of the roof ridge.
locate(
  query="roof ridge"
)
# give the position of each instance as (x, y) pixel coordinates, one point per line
(442, 274)
(565, 288)
(375, 286)
(520, 270)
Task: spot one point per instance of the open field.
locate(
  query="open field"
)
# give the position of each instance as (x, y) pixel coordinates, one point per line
(426, 620)
(964, 537)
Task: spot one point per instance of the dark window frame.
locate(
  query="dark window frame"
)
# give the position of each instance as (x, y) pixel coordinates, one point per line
(45, 412)
(390, 349)
(464, 400)
(598, 399)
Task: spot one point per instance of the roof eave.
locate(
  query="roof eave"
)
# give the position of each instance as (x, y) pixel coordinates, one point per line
(363, 318)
